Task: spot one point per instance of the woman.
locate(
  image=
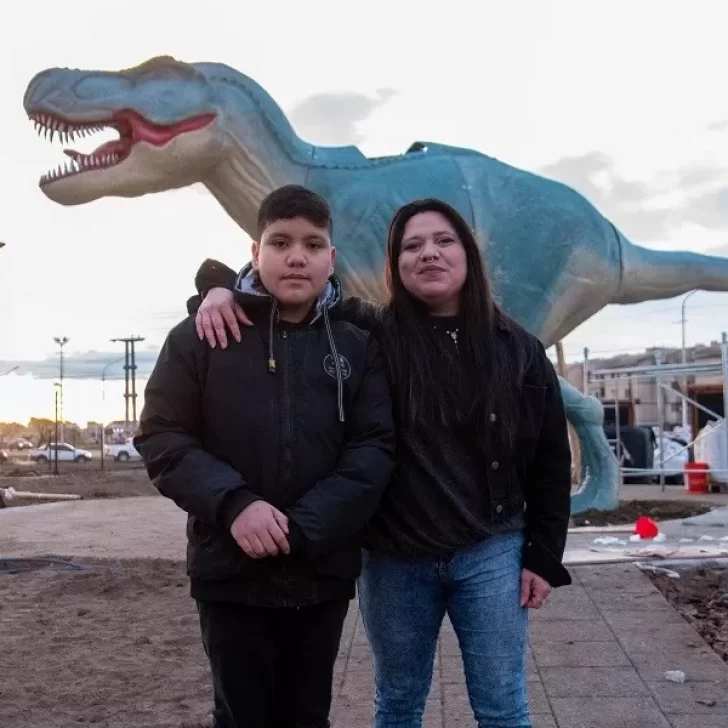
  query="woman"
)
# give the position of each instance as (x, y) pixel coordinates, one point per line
(474, 522)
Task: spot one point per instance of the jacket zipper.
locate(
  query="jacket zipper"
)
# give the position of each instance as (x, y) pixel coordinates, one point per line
(287, 433)
(287, 423)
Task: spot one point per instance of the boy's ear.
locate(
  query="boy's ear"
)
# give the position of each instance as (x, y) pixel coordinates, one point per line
(255, 251)
(333, 259)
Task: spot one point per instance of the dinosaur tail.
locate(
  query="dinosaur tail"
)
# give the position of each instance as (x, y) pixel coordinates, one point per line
(649, 275)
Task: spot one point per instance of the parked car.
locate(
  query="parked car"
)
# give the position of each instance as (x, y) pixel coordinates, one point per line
(123, 452)
(66, 453)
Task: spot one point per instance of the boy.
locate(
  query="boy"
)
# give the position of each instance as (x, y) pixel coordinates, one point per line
(279, 450)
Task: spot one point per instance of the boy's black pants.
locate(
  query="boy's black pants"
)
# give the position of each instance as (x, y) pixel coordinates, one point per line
(272, 668)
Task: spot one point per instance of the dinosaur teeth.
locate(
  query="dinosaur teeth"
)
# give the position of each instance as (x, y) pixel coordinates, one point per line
(81, 163)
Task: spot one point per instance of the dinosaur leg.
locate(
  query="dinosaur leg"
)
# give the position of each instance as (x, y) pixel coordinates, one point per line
(599, 467)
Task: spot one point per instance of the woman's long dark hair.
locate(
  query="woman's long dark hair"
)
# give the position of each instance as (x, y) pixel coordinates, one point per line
(492, 372)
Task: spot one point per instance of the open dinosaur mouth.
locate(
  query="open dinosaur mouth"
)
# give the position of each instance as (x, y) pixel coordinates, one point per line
(131, 127)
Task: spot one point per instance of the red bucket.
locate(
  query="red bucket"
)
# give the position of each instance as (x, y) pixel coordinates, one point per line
(696, 477)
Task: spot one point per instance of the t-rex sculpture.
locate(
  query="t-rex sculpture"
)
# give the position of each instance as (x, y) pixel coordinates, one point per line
(555, 260)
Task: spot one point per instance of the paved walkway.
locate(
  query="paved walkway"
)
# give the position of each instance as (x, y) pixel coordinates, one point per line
(598, 655)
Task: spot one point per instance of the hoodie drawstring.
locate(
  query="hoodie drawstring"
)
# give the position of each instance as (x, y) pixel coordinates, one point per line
(337, 364)
(271, 358)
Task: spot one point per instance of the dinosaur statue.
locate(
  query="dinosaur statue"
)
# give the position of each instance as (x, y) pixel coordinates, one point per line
(554, 259)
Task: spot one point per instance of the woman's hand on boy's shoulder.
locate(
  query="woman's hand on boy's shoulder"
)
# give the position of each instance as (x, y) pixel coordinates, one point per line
(217, 310)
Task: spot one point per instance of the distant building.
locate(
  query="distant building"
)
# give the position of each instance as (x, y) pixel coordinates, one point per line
(119, 431)
(637, 398)
(92, 433)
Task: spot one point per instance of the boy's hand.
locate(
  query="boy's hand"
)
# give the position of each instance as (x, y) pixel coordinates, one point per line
(217, 309)
(261, 530)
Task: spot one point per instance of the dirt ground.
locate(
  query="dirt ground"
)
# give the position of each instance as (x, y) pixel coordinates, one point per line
(114, 644)
(118, 483)
(701, 596)
(630, 510)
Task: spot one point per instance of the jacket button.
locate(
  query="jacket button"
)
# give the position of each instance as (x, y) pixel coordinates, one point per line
(495, 465)
(499, 509)
(493, 417)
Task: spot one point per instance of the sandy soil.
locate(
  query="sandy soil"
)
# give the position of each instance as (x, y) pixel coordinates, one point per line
(630, 510)
(119, 483)
(701, 596)
(114, 645)
(113, 528)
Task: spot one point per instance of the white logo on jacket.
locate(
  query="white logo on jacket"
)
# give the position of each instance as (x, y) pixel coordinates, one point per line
(330, 366)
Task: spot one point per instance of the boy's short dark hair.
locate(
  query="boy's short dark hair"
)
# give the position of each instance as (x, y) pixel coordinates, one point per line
(292, 201)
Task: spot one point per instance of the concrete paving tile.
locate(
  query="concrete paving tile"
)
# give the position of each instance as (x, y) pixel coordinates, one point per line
(628, 620)
(608, 575)
(668, 639)
(348, 715)
(578, 611)
(537, 700)
(543, 720)
(579, 654)
(449, 644)
(458, 714)
(357, 687)
(360, 658)
(594, 682)
(452, 670)
(615, 601)
(573, 631)
(452, 692)
(703, 721)
(608, 713)
(531, 671)
(568, 595)
(692, 698)
(360, 637)
(705, 667)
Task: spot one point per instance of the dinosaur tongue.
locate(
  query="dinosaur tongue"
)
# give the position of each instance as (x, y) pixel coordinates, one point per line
(119, 147)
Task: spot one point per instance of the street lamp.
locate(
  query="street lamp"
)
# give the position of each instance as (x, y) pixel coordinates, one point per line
(61, 341)
(684, 361)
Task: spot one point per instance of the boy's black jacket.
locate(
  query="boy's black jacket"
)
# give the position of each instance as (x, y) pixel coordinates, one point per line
(219, 430)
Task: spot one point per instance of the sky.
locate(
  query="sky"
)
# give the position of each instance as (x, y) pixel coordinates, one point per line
(624, 101)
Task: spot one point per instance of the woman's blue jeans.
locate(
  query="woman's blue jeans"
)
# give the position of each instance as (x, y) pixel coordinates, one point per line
(403, 603)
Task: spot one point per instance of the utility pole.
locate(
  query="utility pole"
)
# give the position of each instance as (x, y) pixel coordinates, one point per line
(130, 368)
(55, 435)
(61, 341)
(684, 361)
(103, 399)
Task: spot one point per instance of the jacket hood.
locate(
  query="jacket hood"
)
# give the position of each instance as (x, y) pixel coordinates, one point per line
(249, 287)
(248, 284)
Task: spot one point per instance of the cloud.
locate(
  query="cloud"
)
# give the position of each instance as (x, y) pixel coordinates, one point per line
(333, 118)
(721, 125)
(647, 210)
(85, 365)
